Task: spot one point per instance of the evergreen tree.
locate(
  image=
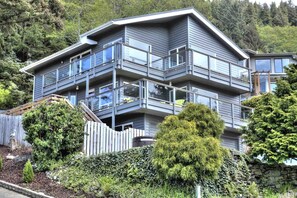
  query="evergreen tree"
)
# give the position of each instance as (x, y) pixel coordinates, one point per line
(265, 14)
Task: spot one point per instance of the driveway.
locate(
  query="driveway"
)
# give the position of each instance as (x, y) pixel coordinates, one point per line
(4, 193)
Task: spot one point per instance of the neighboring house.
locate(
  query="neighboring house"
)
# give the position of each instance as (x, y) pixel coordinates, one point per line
(266, 68)
(132, 72)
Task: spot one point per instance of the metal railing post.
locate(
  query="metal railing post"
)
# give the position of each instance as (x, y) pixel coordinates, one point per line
(230, 74)
(209, 67)
(174, 100)
(232, 115)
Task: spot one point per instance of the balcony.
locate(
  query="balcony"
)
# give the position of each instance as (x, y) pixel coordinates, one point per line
(146, 96)
(185, 65)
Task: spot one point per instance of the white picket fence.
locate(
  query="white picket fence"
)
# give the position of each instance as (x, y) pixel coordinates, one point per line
(12, 124)
(99, 138)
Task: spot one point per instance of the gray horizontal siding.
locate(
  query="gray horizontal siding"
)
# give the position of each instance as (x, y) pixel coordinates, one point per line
(38, 87)
(201, 38)
(151, 124)
(109, 37)
(136, 119)
(231, 140)
(178, 33)
(153, 34)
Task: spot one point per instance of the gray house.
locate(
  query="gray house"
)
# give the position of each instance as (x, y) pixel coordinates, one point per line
(267, 67)
(132, 72)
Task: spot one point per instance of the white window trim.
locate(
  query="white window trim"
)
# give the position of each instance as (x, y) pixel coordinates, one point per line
(80, 61)
(123, 125)
(177, 57)
(106, 45)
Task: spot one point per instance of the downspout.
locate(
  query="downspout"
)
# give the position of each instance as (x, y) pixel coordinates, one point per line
(21, 70)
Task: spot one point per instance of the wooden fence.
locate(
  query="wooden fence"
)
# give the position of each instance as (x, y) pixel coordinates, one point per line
(11, 124)
(99, 138)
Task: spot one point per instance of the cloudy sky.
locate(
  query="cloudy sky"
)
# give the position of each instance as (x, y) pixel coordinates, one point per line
(269, 1)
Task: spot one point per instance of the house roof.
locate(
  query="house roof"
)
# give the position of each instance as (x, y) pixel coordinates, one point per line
(148, 18)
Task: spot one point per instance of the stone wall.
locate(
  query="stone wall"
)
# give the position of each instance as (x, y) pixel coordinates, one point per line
(274, 177)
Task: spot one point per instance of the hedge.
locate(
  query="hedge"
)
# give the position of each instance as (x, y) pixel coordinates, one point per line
(135, 165)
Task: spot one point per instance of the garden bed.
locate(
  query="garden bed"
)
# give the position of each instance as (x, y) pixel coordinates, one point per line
(12, 172)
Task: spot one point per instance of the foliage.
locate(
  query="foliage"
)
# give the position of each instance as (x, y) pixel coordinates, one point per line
(1, 163)
(114, 174)
(28, 174)
(278, 39)
(187, 147)
(271, 132)
(55, 130)
(134, 164)
(181, 154)
(253, 190)
(14, 85)
(208, 123)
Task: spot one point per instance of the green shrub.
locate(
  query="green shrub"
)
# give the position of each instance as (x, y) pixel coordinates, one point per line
(134, 174)
(253, 190)
(208, 122)
(28, 174)
(55, 131)
(187, 147)
(1, 163)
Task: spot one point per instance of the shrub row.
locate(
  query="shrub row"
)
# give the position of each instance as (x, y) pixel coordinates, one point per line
(135, 165)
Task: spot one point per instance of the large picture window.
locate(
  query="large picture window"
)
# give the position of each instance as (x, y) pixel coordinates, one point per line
(279, 65)
(263, 65)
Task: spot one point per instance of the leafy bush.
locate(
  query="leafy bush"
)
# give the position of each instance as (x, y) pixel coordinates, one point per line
(180, 154)
(187, 146)
(208, 122)
(1, 163)
(28, 174)
(55, 131)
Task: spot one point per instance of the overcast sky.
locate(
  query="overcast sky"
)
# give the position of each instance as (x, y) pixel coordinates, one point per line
(269, 1)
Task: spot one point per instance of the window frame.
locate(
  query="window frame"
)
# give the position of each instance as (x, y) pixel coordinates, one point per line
(177, 56)
(270, 65)
(123, 126)
(111, 43)
(80, 55)
(216, 98)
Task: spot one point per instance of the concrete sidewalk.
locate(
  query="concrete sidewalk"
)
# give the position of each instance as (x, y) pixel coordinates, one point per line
(4, 193)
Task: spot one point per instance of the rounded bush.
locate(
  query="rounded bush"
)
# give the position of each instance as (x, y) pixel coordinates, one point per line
(54, 130)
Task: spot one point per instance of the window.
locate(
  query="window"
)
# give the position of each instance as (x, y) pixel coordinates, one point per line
(272, 86)
(105, 96)
(72, 99)
(80, 63)
(207, 98)
(263, 65)
(279, 65)
(177, 56)
(264, 84)
(109, 50)
(124, 127)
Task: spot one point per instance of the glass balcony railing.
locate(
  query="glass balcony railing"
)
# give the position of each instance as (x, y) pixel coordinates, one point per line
(213, 65)
(168, 97)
